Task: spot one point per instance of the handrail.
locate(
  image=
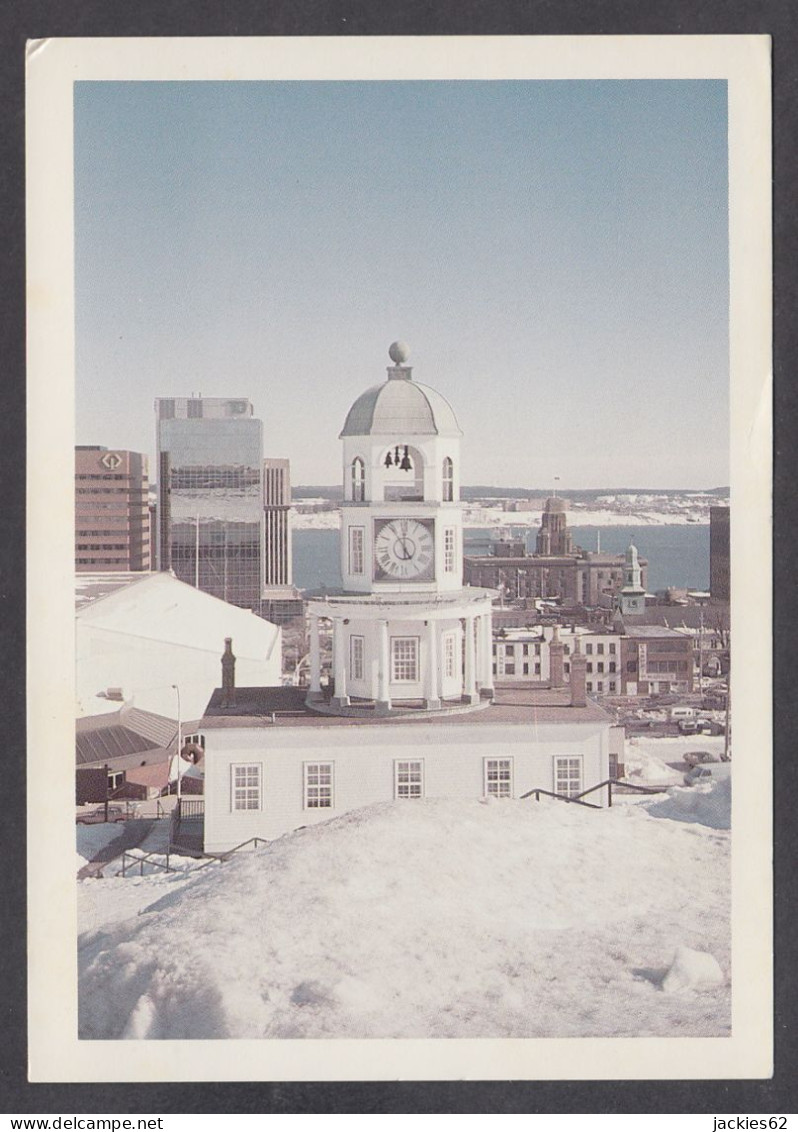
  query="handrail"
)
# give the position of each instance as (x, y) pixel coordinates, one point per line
(608, 782)
(135, 859)
(538, 790)
(222, 857)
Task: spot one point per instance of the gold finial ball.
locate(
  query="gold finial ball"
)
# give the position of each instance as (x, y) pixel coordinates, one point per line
(398, 352)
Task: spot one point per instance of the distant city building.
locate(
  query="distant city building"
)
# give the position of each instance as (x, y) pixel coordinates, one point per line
(112, 519)
(558, 570)
(633, 594)
(719, 554)
(554, 536)
(632, 660)
(280, 600)
(223, 511)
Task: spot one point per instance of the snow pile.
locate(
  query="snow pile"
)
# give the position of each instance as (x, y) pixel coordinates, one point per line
(424, 919)
(708, 805)
(646, 769)
(692, 969)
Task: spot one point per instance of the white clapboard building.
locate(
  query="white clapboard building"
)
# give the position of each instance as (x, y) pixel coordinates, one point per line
(408, 707)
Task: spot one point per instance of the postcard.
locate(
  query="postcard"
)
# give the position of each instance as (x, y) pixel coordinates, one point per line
(399, 468)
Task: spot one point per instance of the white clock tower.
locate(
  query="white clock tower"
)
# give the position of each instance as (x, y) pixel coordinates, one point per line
(407, 635)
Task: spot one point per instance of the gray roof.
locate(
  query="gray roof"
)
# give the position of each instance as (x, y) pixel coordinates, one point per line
(401, 406)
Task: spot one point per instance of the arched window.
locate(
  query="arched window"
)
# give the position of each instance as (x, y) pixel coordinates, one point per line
(448, 480)
(358, 481)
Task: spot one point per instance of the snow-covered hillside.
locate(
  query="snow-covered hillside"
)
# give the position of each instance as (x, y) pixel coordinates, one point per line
(430, 919)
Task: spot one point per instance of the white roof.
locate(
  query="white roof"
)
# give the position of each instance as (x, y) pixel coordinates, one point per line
(161, 607)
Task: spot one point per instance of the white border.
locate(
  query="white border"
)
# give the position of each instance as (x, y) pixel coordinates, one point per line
(53, 65)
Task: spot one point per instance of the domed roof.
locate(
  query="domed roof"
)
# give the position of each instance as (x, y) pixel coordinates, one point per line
(401, 406)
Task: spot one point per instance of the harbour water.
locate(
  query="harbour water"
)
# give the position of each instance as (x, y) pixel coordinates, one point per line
(678, 554)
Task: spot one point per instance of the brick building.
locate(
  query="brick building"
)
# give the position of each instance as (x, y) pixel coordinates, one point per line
(112, 517)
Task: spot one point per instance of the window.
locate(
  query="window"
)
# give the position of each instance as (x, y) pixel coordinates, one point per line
(318, 786)
(356, 543)
(612, 666)
(526, 668)
(509, 650)
(612, 686)
(194, 409)
(589, 686)
(600, 666)
(537, 669)
(537, 650)
(600, 686)
(498, 778)
(448, 550)
(448, 480)
(612, 649)
(246, 782)
(566, 668)
(358, 480)
(568, 775)
(509, 669)
(589, 649)
(198, 739)
(449, 655)
(404, 660)
(356, 657)
(589, 666)
(600, 649)
(408, 779)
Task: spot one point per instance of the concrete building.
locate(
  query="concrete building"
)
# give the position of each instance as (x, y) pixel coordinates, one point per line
(112, 520)
(719, 554)
(280, 600)
(573, 576)
(655, 659)
(413, 709)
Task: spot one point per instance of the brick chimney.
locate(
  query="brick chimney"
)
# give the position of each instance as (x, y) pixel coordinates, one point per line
(578, 677)
(556, 669)
(228, 674)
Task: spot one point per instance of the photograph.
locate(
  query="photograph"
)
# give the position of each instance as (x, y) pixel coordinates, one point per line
(416, 400)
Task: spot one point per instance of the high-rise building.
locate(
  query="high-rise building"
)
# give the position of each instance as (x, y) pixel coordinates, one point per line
(210, 495)
(276, 507)
(112, 520)
(719, 555)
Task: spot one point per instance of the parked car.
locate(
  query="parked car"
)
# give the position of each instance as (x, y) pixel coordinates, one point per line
(91, 817)
(687, 727)
(715, 772)
(696, 758)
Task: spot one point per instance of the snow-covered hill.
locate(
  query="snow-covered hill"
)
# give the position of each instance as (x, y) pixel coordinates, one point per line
(428, 919)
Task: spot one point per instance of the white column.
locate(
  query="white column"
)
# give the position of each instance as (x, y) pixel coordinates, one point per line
(384, 669)
(315, 660)
(486, 653)
(470, 690)
(340, 645)
(432, 699)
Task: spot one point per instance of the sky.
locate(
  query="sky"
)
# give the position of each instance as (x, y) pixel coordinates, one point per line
(555, 253)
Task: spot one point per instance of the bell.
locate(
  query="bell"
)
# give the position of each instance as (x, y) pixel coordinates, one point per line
(388, 461)
(405, 465)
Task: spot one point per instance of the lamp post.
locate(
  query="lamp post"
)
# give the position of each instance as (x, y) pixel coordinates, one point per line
(179, 739)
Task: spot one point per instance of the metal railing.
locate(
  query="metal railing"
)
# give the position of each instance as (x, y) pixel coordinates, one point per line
(577, 799)
(130, 860)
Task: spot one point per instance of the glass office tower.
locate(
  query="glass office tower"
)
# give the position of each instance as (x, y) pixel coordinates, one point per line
(210, 522)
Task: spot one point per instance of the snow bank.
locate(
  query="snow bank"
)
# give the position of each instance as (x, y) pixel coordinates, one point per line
(423, 919)
(708, 805)
(691, 969)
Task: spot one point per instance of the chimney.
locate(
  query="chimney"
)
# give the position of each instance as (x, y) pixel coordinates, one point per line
(228, 674)
(556, 651)
(578, 672)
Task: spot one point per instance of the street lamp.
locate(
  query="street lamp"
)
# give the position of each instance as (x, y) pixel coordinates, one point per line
(179, 739)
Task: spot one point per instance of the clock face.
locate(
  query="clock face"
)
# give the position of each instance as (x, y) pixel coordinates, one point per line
(404, 550)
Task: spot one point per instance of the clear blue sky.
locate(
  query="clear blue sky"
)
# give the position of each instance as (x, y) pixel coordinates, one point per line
(555, 254)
